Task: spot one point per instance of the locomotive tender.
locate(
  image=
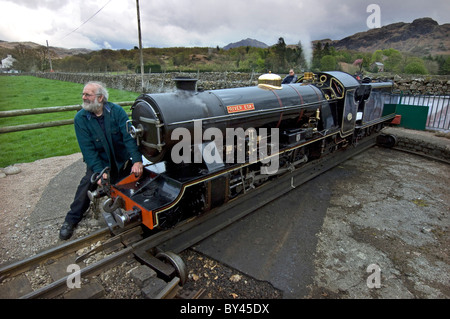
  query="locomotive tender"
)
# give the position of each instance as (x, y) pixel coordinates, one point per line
(207, 147)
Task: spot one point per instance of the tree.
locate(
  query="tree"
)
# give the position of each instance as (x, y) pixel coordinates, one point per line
(97, 64)
(326, 49)
(328, 63)
(300, 57)
(27, 59)
(446, 66)
(377, 56)
(280, 51)
(415, 67)
(74, 64)
(393, 62)
(317, 56)
(181, 58)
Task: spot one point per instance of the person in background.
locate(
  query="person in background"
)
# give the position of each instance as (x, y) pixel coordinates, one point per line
(100, 127)
(291, 78)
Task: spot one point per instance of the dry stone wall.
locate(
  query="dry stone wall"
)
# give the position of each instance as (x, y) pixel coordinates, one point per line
(163, 82)
(436, 85)
(157, 82)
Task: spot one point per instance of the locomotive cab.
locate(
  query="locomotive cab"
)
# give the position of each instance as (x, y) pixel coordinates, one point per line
(339, 89)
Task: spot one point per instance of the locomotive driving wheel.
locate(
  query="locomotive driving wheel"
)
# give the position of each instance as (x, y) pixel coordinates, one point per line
(176, 262)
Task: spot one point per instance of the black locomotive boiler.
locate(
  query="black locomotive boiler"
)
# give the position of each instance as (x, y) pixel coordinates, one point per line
(208, 147)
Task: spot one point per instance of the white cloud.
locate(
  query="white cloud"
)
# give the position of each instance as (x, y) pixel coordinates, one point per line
(198, 22)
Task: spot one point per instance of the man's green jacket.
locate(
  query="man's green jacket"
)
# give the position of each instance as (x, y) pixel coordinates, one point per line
(112, 148)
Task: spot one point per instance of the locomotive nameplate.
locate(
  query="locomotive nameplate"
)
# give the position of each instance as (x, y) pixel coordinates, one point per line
(240, 108)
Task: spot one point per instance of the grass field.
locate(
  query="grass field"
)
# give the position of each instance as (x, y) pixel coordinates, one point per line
(27, 92)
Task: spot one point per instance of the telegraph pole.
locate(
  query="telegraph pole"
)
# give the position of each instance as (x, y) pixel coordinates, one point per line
(140, 45)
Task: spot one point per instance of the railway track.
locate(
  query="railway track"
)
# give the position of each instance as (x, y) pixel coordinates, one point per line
(157, 251)
(88, 257)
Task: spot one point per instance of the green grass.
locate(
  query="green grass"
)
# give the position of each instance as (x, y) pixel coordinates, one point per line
(27, 92)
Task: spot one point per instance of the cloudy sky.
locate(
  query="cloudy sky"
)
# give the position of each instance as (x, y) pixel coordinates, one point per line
(98, 24)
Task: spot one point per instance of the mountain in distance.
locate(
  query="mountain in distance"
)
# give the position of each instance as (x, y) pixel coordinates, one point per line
(421, 37)
(246, 43)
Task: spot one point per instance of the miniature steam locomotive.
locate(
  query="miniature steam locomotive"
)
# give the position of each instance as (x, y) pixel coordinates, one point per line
(207, 147)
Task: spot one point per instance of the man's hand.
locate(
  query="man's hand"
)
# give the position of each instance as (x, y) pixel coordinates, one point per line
(104, 177)
(137, 169)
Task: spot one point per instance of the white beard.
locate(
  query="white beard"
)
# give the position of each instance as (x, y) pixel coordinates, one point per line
(93, 107)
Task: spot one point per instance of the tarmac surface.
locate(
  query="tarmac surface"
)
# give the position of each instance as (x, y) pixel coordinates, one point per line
(381, 208)
(376, 226)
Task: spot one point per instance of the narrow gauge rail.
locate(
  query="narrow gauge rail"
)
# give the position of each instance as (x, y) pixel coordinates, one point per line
(168, 242)
(122, 247)
(19, 267)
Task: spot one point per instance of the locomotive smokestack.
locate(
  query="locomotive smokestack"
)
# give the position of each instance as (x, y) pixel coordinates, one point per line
(186, 83)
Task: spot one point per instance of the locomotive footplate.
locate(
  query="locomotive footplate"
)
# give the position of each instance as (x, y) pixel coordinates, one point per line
(139, 200)
(135, 199)
(152, 191)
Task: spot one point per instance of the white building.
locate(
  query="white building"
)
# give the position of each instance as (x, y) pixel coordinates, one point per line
(7, 64)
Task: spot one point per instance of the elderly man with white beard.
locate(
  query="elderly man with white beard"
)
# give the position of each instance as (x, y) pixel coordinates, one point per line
(101, 132)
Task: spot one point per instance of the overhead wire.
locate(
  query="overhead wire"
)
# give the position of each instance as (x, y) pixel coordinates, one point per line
(86, 20)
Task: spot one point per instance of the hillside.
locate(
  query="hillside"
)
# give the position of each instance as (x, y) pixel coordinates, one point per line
(421, 37)
(57, 52)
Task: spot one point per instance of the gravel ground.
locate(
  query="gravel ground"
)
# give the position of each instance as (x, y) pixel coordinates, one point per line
(221, 282)
(19, 195)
